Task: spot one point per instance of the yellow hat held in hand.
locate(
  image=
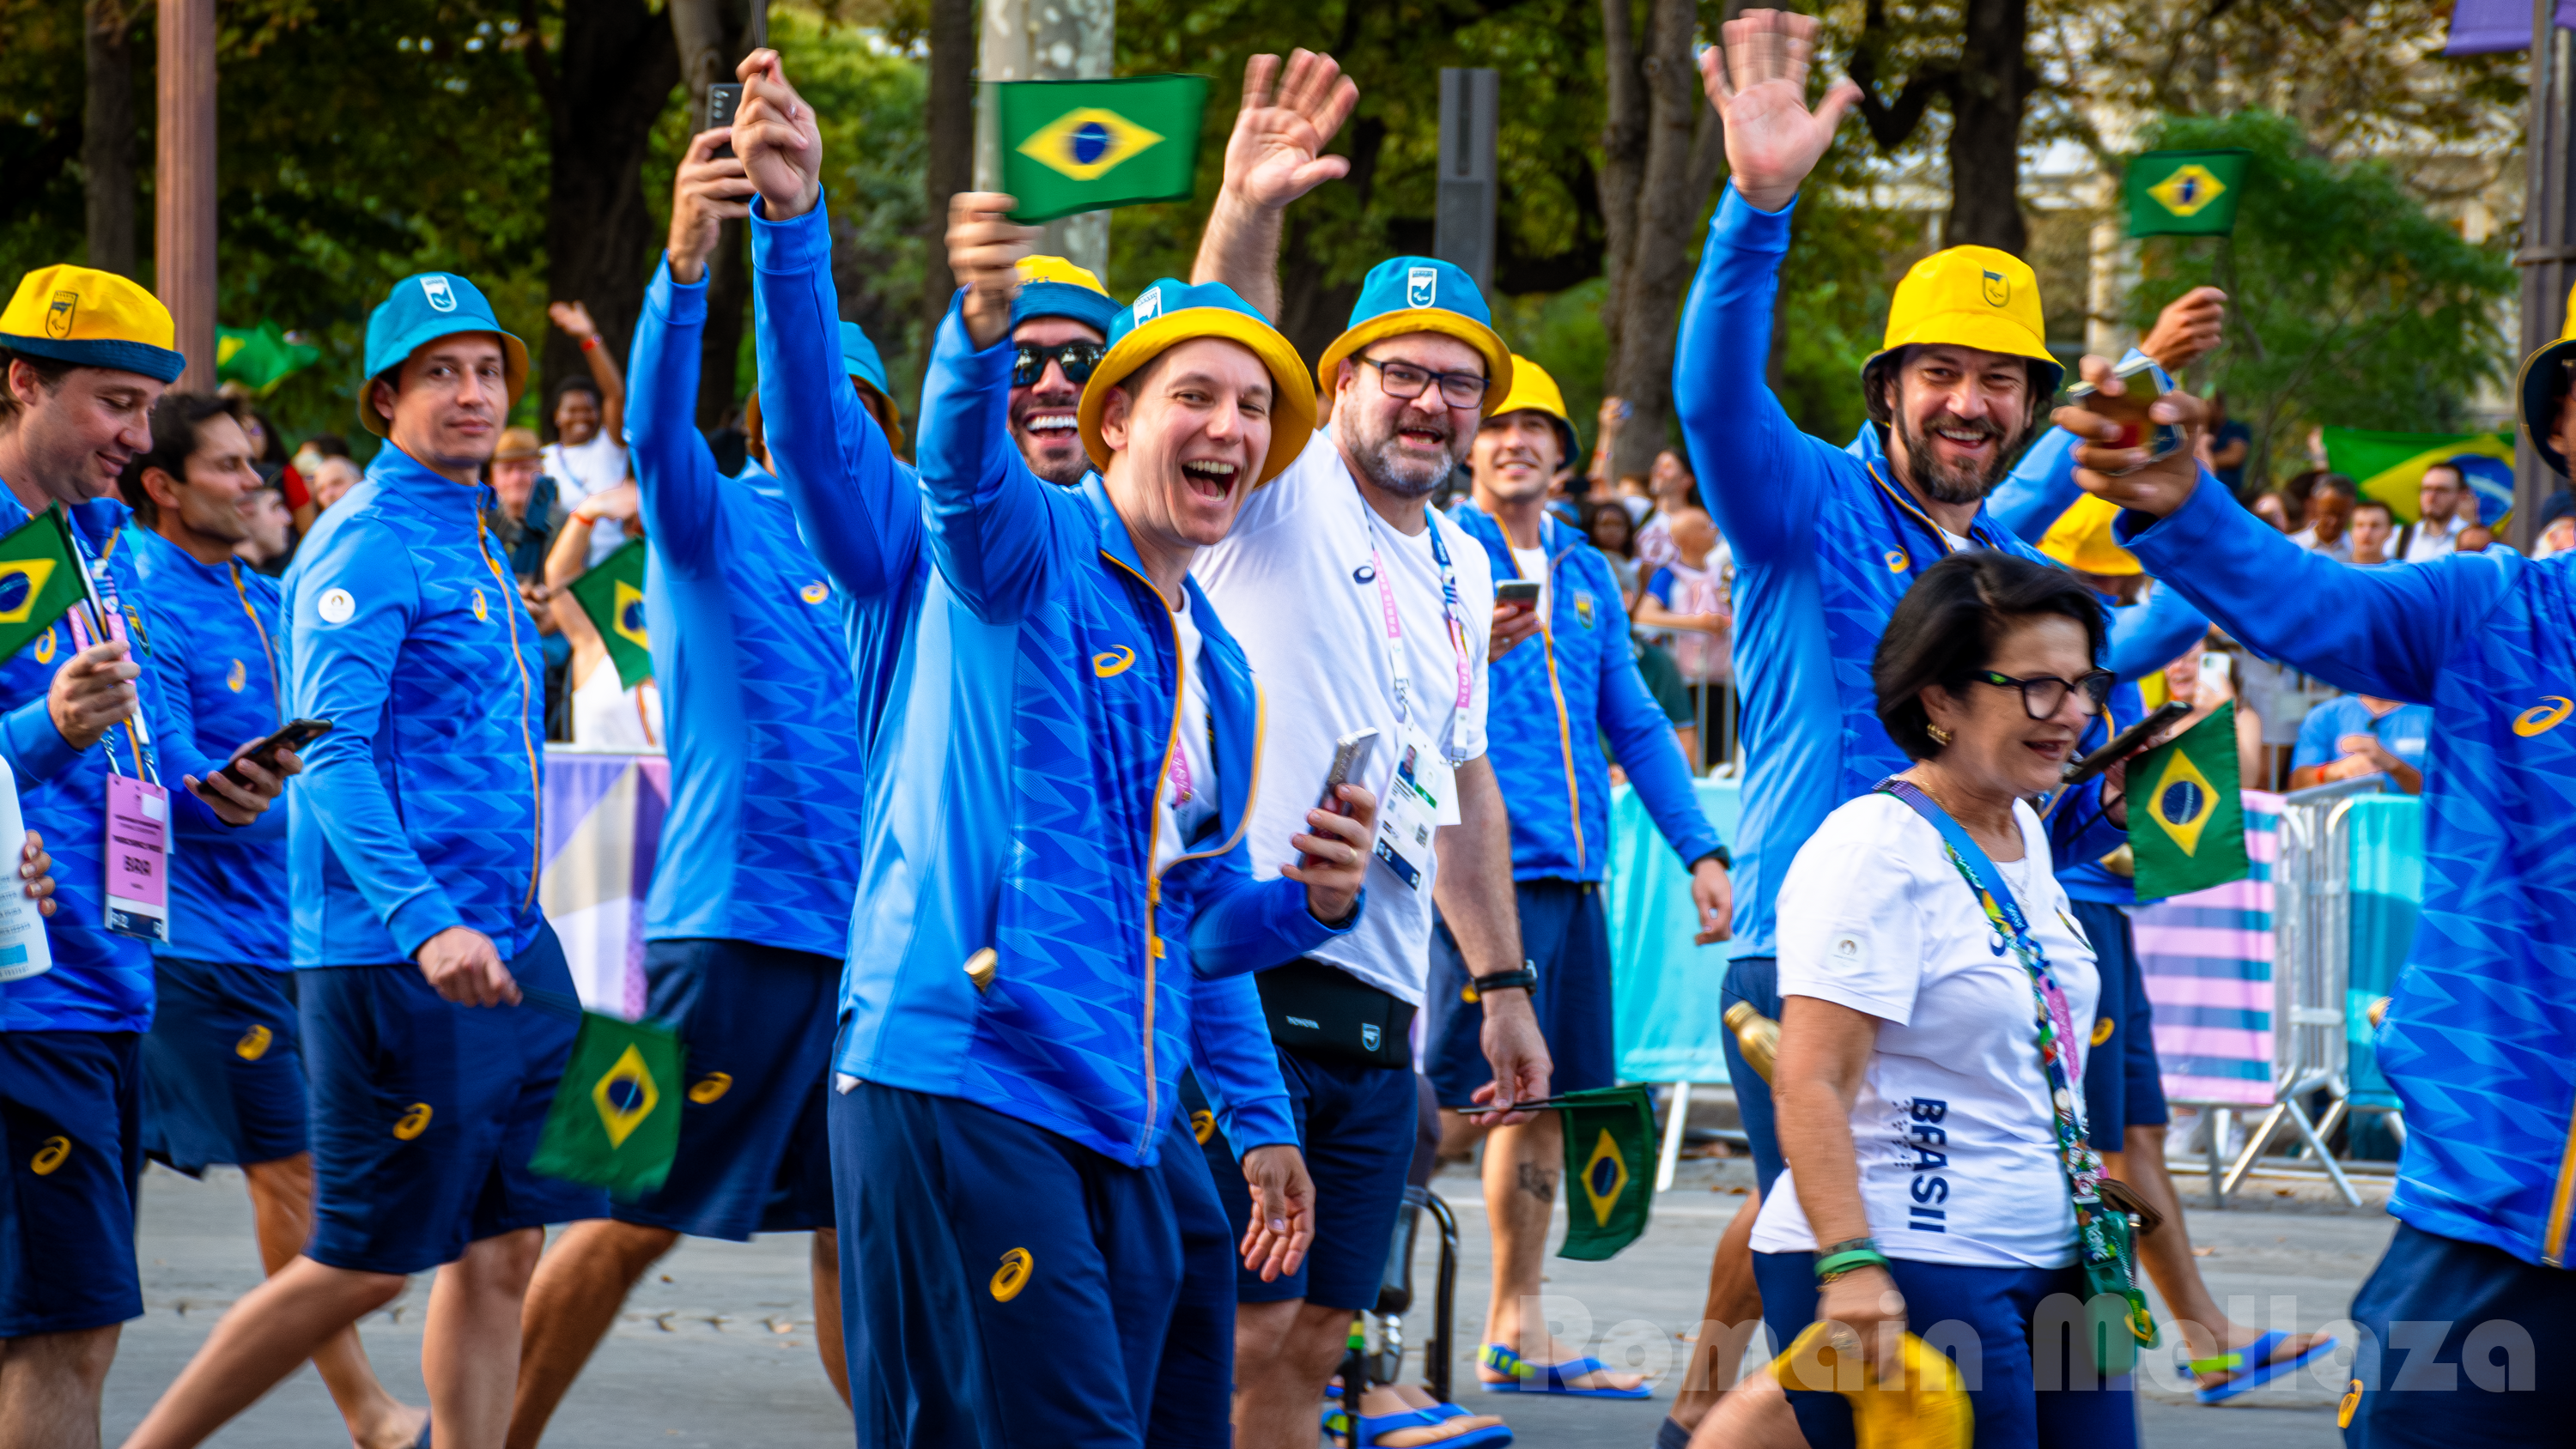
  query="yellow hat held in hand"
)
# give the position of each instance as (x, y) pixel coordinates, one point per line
(1532, 390)
(2081, 540)
(1919, 1405)
(91, 318)
(1969, 297)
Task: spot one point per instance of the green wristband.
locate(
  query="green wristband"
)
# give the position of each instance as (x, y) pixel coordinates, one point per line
(1835, 1265)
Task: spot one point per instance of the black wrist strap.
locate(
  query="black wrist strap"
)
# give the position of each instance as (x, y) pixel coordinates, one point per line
(1525, 979)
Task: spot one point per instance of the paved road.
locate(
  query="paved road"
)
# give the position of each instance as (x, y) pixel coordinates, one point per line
(717, 1348)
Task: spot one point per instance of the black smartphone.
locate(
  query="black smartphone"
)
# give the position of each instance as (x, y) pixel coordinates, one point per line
(2126, 743)
(296, 734)
(1517, 591)
(1348, 752)
(722, 101)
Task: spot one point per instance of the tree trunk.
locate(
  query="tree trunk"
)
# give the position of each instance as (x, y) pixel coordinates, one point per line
(107, 136)
(603, 88)
(1985, 127)
(712, 37)
(949, 161)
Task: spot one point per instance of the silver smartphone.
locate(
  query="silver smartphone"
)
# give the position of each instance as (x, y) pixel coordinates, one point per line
(1349, 752)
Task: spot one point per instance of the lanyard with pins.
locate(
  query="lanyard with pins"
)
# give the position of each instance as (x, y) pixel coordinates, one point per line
(1392, 636)
(106, 623)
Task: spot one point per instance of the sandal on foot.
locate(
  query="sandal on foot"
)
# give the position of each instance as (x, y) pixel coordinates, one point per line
(1337, 1423)
(1554, 1378)
(2248, 1368)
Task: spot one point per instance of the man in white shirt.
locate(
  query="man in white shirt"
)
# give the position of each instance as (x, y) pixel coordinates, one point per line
(588, 454)
(2439, 516)
(1359, 608)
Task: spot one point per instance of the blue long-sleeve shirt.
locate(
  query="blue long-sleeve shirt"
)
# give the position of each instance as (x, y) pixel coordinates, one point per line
(1013, 771)
(1825, 544)
(1553, 695)
(2475, 1040)
(761, 843)
(219, 639)
(419, 810)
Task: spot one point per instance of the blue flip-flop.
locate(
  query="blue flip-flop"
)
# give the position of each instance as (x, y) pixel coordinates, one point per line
(1530, 1378)
(2248, 1368)
(1337, 1422)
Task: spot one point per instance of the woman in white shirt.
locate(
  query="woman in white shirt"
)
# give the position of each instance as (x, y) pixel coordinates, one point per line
(1932, 1145)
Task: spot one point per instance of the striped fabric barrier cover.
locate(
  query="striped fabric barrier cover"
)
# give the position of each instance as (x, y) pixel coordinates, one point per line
(2207, 957)
(602, 826)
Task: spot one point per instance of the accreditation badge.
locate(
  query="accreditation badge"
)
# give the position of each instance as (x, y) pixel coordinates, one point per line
(138, 858)
(1416, 802)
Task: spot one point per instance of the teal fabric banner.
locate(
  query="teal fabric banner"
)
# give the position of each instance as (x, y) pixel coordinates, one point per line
(1664, 988)
(2387, 835)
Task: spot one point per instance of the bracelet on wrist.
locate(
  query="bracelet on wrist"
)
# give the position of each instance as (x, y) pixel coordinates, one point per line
(590, 343)
(1849, 1256)
(1525, 979)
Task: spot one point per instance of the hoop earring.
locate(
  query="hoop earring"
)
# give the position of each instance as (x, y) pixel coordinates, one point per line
(1939, 735)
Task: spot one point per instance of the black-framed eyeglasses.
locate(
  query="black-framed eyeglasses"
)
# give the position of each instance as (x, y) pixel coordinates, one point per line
(2041, 694)
(1028, 362)
(1403, 381)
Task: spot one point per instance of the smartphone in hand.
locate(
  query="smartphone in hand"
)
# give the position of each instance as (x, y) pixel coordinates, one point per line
(1349, 752)
(295, 735)
(1520, 593)
(2140, 386)
(722, 101)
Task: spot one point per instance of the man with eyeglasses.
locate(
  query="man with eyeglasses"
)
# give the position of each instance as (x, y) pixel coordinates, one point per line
(1362, 609)
(1059, 331)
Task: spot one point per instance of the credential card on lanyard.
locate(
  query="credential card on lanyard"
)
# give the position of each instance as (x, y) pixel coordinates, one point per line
(138, 858)
(1413, 800)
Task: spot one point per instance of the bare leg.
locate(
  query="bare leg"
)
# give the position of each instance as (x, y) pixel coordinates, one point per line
(49, 1388)
(1284, 1354)
(281, 1205)
(1756, 1415)
(571, 1305)
(827, 1311)
(267, 1335)
(1522, 1168)
(2167, 1254)
(1733, 1299)
(470, 1349)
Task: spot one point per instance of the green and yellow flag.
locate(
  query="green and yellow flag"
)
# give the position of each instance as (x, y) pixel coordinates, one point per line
(612, 594)
(2186, 193)
(260, 357)
(615, 1122)
(39, 579)
(2186, 821)
(1610, 1161)
(2390, 467)
(1070, 146)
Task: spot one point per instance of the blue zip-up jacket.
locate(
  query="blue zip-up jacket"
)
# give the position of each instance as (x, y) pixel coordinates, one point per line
(1018, 696)
(419, 810)
(1550, 702)
(762, 840)
(2476, 1037)
(219, 634)
(100, 981)
(1825, 544)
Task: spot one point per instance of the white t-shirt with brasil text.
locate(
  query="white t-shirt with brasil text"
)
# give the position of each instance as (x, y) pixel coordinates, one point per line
(1953, 1126)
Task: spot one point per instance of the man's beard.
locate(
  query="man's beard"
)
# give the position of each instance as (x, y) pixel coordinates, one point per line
(1404, 474)
(1944, 483)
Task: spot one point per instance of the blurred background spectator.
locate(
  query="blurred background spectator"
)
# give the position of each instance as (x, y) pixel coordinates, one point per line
(271, 545)
(2374, 524)
(1687, 601)
(588, 454)
(1613, 532)
(332, 482)
(2443, 507)
(2352, 735)
(2225, 444)
(2329, 516)
(2270, 509)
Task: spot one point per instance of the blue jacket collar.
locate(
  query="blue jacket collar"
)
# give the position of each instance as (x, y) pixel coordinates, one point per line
(166, 554)
(1870, 448)
(400, 474)
(1554, 537)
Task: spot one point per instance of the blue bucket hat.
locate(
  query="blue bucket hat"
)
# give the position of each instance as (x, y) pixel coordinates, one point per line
(1171, 312)
(1054, 287)
(860, 360)
(420, 310)
(1420, 294)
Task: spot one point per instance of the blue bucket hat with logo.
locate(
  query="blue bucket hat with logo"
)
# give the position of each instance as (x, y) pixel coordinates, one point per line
(420, 310)
(860, 360)
(1419, 294)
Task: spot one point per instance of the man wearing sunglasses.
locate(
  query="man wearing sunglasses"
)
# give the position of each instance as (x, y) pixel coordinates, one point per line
(1059, 332)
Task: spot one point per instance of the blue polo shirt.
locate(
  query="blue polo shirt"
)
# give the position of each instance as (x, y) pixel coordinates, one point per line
(2405, 731)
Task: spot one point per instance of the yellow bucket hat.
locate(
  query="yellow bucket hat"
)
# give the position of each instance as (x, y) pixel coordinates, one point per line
(1169, 313)
(1533, 390)
(2081, 540)
(1921, 1406)
(1968, 297)
(91, 318)
(2542, 383)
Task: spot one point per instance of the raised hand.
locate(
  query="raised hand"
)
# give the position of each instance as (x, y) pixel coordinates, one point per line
(573, 318)
(1758, 82)
(709, 191)
(2159, 487)
(984, 251)
(1276, 153)
(2189, 326)
(776, 135)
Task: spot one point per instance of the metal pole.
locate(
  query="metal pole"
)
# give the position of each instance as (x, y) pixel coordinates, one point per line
(183, 194)
(2548, 254)
(1463, 219)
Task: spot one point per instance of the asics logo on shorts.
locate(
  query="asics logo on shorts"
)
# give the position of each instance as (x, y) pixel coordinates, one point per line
(414, 1122)
(1013, 1275)
(710, 1087)
(50, 1155)
(253, 1044)
(1202, 1125)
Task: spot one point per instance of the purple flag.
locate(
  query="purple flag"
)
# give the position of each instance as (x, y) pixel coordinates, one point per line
(2482, 27)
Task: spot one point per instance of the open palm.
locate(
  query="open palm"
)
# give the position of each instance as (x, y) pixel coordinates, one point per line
(1276, 152)
(1758, 82)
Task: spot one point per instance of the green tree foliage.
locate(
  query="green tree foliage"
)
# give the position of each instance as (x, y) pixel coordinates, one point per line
(2350, 305)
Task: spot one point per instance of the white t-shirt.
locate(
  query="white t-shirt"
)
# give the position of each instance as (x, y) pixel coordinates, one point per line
(1292, 582)
(1189, 797)
(1532, 563)
(2428, 541)
(1953, 1126)
(581, 471)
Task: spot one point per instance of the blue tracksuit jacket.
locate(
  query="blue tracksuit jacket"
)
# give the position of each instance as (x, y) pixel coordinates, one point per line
(762, 840)
(419, 810)
(219, 642)
(1825, 544)
(1018, 691)
(2477, 1034)
(1552, 695)
(100, 981)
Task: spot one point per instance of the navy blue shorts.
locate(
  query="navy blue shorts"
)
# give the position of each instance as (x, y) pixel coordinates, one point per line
(1754, 979)
(1565, 933)
(2458, 1341)
(223, 1066)
(1194, 1390)
(425, 1113)
(2123, 1083)
(1954, 1307)
(71, 1125)
(755, 1155)
(1355, 1123)
(1000, 1285)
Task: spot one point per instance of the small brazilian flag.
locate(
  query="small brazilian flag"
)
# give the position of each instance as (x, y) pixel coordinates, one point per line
(612, 594)
(1087, 145)
(39, 579)
(2186, 823)
(1610, 1159)
(260, 357)
(615, 1122)
(2186, 193)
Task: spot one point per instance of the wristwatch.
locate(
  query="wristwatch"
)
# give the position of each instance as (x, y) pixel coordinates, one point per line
(1525, 979)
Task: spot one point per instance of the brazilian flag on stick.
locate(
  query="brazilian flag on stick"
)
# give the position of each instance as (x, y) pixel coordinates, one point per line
(1610, 1159)
(615, 1122)
(39, 579)
(2186, 822)
(2186, 193)
(612, 594)
(1070, 146)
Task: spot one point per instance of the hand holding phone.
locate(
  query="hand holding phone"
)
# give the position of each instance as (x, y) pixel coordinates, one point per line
(1348, 754)
(294, 735)
(2141, 383)
(722, 101)
(1517, 593)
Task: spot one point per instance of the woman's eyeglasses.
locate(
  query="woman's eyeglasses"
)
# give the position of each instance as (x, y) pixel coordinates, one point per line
(1403, 381)
(1028, 363)
(2042, 694)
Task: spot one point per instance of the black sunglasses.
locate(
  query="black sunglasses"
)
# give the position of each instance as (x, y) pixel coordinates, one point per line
(2042, 694)
(1028, 363)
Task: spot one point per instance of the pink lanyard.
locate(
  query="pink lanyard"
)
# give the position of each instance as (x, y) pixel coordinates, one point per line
(1394, 631)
